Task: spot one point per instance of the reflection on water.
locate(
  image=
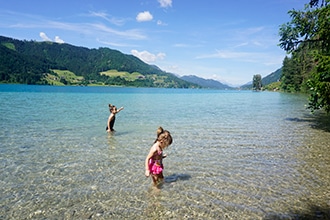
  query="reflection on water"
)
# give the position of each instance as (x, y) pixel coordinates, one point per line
(234, 160)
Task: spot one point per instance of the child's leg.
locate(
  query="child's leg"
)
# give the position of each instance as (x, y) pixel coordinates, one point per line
(154, 179)
(160, 178)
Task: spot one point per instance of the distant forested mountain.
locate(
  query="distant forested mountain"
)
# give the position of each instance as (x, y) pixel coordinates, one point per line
(273, 77)
(31, 62)
(269, 79)
(207, 83)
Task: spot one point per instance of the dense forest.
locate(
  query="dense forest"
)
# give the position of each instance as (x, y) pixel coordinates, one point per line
(307, 39)
(31, 62)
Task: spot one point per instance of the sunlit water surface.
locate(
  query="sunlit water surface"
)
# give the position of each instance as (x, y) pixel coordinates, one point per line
(235, 155)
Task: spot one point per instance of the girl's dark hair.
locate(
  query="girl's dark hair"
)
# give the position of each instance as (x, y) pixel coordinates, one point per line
(111, 107)
(164, 135)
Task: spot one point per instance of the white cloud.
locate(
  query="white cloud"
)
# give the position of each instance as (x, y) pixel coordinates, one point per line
(147, 56)
(129, 34)
(225, 54)
(144, 16)
(105, 16)
(241, 45)
(247, 57)
(59, 40)
(115, 44)
(165, 3)
(44, 36)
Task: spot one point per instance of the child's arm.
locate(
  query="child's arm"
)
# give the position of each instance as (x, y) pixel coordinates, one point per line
(121, 108)
(149, 156)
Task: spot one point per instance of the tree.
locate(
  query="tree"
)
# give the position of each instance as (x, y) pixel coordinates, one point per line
(296, 70)
(309, 29)
(290, 79)
(256, 83)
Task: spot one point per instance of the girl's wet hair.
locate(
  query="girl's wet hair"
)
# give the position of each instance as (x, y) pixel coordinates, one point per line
(111, 107)
(159, 131)
(164, 136)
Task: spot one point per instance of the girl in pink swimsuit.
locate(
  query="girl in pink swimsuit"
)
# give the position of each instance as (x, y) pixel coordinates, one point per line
(154, 161)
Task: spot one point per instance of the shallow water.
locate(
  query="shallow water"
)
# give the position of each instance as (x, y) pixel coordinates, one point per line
(235, 155)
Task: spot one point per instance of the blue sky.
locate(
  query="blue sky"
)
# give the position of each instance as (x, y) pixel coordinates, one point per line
(229, 41)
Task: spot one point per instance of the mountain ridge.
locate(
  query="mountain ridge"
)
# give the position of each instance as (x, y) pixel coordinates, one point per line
(206, 83)
(33, 62)
(30, 62)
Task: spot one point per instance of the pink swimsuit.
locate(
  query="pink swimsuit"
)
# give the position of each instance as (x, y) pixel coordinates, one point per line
(155, 165)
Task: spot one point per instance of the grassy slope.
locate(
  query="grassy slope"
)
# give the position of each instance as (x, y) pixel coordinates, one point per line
(69, 76)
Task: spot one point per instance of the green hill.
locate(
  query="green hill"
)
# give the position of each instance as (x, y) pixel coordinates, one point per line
(206, 83)
(31, 62)
(273, 77)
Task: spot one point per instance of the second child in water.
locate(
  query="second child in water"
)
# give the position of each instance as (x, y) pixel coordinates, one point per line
(154, 161)
(112, 117)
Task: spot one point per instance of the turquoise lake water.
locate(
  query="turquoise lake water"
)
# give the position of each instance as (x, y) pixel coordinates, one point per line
(235, 154)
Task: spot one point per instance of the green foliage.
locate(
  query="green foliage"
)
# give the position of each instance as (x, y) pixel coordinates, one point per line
(18, 68)
(126, 75)
(32, 62)
(63, 77)
(307, 38)
(291, 78)
(9, 45)
(275, 86)
(319, 85)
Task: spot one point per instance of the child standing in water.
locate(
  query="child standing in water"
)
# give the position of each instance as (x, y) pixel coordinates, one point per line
(154, 161)
(112, 117)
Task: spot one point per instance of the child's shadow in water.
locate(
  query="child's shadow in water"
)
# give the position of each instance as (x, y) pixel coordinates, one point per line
(175, 177)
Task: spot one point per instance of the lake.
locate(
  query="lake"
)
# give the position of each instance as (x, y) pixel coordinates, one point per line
(235, 154)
